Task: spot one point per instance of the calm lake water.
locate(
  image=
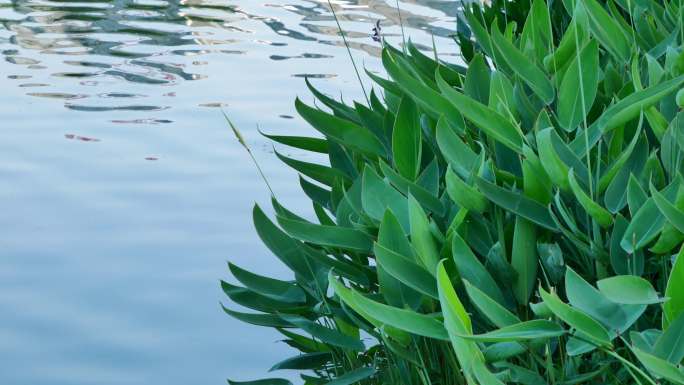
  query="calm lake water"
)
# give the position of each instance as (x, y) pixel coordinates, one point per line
(122, 191)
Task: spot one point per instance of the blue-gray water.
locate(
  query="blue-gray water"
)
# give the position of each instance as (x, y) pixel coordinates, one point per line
(122, 191)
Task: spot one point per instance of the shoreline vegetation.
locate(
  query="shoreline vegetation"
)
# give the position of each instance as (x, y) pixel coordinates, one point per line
(517, 219)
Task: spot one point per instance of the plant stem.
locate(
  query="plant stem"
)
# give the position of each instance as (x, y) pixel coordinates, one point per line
(346, 44)
(242, 142)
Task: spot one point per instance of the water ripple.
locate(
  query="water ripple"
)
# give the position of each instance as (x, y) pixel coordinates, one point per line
(141, 29)
(123, 188)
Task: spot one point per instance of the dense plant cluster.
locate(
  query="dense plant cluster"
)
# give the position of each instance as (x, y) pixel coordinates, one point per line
(514, 220)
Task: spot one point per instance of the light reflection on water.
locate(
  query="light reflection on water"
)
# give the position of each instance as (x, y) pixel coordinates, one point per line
(122, 192)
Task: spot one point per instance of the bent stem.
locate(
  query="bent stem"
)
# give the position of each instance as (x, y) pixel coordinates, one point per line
(630, 365)
(242, 142)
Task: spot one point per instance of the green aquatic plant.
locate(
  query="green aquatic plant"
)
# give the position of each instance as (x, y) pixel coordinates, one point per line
(517, 219)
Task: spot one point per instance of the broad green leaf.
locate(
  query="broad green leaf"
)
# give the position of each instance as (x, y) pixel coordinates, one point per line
(653, 171)
(524, 67)
(669, 210)
(536, 182)
(252, 300)
(619, 163)
(501, 351)
(537, 35)
(477, 79)
(655, 70)
(474, 231)
(391, 236)
(352, 377)
(406, 187)
(629, 290)
(616, 194)
(479, 30)
(269, 287)
(622, 262)
(589, 328)
(568, 220)
(429, 178)
(529, 330)
(406, 63)
(346, 296)
(578, 88)
(338, 108)
(430, 100)
(552, 163)
(407, 320)
(524, 259)
(491, 122)
(622, 112)
(660, 367)
(341, 159)
(463, 194)
(304, 344)
(569, 158)
(670, 345)
(406, 271)
(322, 215)
(647, 222)
(644, 340)
(426, 63)
(607, 30)
(601, 215)
(460, 157)
(551, 257)
(636, 196)
(287, 249)
(342, 131)
(655, 119)
(491, 309)
(301, 142)
(483, 375)
(540, 309)
(323, 262)
(587, 298)
(265, 381)
(377, 196)
(421, 236)
(304, 361)
(258, 319)
(373, 120)
(670, 148)
(325, 334)
(517, 203)
(316, 193)
(407, 140)
(456, 320)
(318, 172)
(388, 85)
(324, 235)
(668, 240)
(674, 307)
(501, 96)
(573, 40)
(470, 268)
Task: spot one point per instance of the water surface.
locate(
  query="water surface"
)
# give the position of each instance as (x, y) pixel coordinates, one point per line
(123, 193)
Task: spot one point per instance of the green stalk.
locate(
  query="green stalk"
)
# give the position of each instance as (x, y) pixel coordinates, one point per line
(630, 365)
(346, 44)
(401, 25)
(242, 142)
